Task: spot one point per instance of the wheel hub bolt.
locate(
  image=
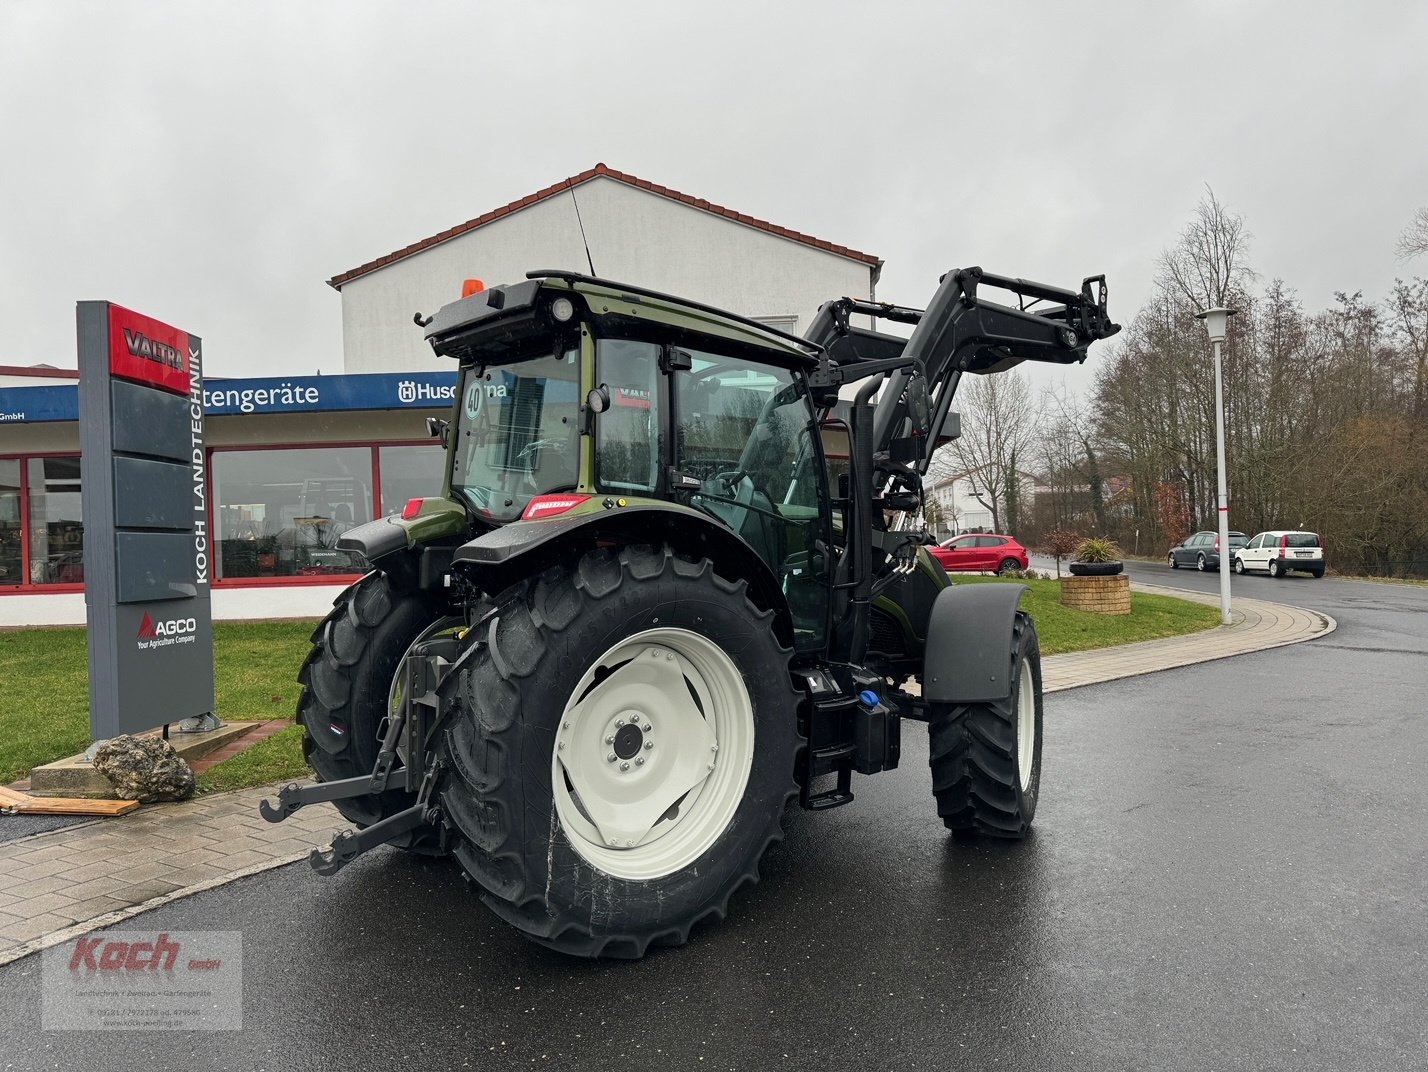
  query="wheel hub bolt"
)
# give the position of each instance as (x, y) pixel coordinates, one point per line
(624, 766)
(619, 722)
(611, 758)
(610, 739)
(649, 745)
(640, 761)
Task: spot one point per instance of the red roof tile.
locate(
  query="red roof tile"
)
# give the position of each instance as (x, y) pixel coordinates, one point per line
(600, 171)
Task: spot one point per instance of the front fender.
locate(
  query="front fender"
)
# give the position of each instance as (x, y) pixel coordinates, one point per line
(969, 643)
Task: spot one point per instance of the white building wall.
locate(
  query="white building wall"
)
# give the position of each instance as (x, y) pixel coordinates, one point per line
(635, 237)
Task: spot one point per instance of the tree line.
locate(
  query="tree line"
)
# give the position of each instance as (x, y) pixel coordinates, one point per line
(1326, 415)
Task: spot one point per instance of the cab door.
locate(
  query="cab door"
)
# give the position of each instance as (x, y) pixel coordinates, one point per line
(745, 430)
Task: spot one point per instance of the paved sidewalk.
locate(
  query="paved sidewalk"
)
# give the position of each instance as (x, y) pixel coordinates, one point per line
(1256, 626)
(57, 885)
(64, 882)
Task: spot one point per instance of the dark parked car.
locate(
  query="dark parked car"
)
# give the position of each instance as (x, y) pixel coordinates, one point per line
(1202, 550)
(980, 552)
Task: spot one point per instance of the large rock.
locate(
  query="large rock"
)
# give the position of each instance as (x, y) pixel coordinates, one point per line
(146, 769)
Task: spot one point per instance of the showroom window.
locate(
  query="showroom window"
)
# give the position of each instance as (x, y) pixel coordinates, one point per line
(12, 569)
(56, 521)
(279, 513)
(409, 473)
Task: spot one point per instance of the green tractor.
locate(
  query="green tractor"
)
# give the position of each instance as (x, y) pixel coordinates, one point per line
(672, 584)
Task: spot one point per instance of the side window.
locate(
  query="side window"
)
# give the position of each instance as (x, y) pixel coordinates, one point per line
(627, 434)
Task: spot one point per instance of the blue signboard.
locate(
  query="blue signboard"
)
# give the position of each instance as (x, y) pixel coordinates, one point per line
(291, 394)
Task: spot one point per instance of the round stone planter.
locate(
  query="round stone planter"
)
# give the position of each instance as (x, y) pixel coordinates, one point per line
(1096, 569)
(1100, 595)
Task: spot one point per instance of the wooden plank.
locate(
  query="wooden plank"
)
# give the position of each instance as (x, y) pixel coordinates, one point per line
(24, 804)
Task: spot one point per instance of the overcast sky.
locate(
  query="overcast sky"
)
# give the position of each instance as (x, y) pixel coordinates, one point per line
(213, 166)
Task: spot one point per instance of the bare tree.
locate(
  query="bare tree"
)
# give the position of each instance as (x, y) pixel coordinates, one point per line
(999, 425)
(1414, 239)
(1207, 265)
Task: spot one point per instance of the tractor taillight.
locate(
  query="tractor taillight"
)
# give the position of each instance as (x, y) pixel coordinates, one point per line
(411, 509)
(550, 505)
(472, 286)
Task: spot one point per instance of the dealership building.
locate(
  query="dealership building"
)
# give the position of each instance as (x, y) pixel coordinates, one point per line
(294, 461)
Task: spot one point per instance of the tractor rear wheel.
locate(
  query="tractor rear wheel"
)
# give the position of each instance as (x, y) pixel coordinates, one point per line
(352, 680)
(986, 757)
(623, 751)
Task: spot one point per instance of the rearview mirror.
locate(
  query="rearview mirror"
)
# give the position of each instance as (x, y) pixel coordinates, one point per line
(437, 428)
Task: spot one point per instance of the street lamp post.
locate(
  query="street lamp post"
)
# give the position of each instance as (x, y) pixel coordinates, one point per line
(1215, 320)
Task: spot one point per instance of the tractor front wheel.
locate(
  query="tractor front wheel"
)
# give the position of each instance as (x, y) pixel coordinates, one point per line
(986, 757)
(623, 751)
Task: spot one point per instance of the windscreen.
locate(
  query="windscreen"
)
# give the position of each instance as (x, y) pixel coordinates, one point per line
(517, 434)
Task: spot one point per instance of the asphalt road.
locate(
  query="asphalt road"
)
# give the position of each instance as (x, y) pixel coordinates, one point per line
(1228, 872)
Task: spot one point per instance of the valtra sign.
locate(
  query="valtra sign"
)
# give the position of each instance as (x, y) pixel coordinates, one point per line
(143, 350)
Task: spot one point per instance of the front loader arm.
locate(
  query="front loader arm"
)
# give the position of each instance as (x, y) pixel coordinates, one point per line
(961, 332)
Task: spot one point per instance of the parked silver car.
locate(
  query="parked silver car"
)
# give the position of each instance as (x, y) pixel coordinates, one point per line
(1202, 550)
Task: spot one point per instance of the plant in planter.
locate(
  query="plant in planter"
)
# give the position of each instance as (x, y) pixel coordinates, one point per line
(1097, 557)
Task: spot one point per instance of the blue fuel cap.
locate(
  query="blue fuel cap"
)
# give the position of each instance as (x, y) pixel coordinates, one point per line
(868, 698)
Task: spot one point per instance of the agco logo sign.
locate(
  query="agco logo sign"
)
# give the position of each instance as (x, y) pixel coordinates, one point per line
(166, 632)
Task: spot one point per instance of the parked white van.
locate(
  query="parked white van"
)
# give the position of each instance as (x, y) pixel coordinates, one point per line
(1280, 550)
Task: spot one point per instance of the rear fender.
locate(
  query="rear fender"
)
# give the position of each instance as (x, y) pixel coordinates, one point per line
(498, 559)
(969, 642)
(414, 552)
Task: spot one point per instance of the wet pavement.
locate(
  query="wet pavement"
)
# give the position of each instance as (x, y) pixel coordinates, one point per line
(1228, 871)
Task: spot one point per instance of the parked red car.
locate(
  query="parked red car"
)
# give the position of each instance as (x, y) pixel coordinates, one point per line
(980, 552)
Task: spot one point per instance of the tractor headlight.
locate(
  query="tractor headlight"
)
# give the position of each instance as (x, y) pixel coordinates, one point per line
(562, 309)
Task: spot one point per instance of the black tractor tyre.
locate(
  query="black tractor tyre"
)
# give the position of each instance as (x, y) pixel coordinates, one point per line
(546, 636)
(346, 686)
(975, 751)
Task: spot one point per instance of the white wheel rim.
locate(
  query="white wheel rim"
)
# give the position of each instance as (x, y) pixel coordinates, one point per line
(673, 709)
(1025, 725)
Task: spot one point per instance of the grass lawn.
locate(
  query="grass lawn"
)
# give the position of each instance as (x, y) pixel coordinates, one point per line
(44, 701)
(1061, 629)
(44, 710)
